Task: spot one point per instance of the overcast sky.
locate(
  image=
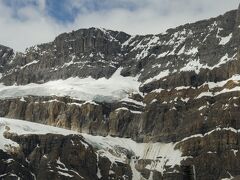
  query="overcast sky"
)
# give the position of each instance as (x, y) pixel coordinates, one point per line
(27, 22)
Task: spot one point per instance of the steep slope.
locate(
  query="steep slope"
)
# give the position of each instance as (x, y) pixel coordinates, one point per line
(180, 87)
(30, 150)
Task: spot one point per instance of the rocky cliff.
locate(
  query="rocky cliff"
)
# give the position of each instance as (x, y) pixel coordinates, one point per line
(179, 87)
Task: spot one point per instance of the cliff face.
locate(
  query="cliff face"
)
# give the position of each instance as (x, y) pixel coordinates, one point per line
(187, 92)
(54, 156)
(188, 55)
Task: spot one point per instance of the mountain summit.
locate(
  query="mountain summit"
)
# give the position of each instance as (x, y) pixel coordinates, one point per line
(163, 106)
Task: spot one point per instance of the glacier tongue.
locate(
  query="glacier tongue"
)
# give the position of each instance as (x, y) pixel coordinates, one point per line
(116, 87)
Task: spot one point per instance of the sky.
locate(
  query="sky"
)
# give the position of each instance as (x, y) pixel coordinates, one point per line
(24, 23)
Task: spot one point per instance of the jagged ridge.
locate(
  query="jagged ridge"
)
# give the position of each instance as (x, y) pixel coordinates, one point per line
(189, 90)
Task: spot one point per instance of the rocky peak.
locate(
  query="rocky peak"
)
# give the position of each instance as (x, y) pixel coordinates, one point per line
(5, 54)
(92, 40)
(188, 49)
(189, 86)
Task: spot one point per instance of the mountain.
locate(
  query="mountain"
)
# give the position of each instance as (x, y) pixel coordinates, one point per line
(162, 106)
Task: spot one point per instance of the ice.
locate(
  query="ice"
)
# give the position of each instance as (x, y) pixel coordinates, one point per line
(115, 88)
(25, 127)
(160, 153)
(152, 151)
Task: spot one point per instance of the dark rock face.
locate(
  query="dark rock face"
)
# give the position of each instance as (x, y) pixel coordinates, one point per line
(11, 168)
(93, 118)
(118, 170)
(54, 156)
(191, 96)
(98, 53)
(158, 122)
(86, 52)
(215, 155)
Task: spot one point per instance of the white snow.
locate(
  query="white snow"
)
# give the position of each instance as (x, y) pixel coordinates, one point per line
(225, 40)
(65, 174)
(162, 54)
(212, 85)
(128, 41)
(203, 94)
(235, 152)
(126, 109)
(144, 46)
(162, 74)
(161, 154)
(193, 65)
(185, 99)
(24, 127)
(22, 99)
(158, 90)
(156, 65)
(223, 60)
(132, 101)
(115, 88)
(29, 64)
(210, 132)
(201, 108)
(182, 87)
(181, 50)
(237, 88)
(91, 55)
(192, 51)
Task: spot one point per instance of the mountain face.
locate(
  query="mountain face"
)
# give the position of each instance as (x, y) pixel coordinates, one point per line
(175, 94)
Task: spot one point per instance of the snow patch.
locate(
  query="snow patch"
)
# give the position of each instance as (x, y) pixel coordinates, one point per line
(192, 51)
(29, 64)
(182, 50)
(193, 65)
(162, 54)
(161, 75)
(225, 40)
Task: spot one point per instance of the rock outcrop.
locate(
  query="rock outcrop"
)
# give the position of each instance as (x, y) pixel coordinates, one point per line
(54, 156)
(189, 96)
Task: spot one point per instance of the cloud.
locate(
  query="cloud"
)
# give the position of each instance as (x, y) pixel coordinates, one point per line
(26, 26)
(28, 22)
